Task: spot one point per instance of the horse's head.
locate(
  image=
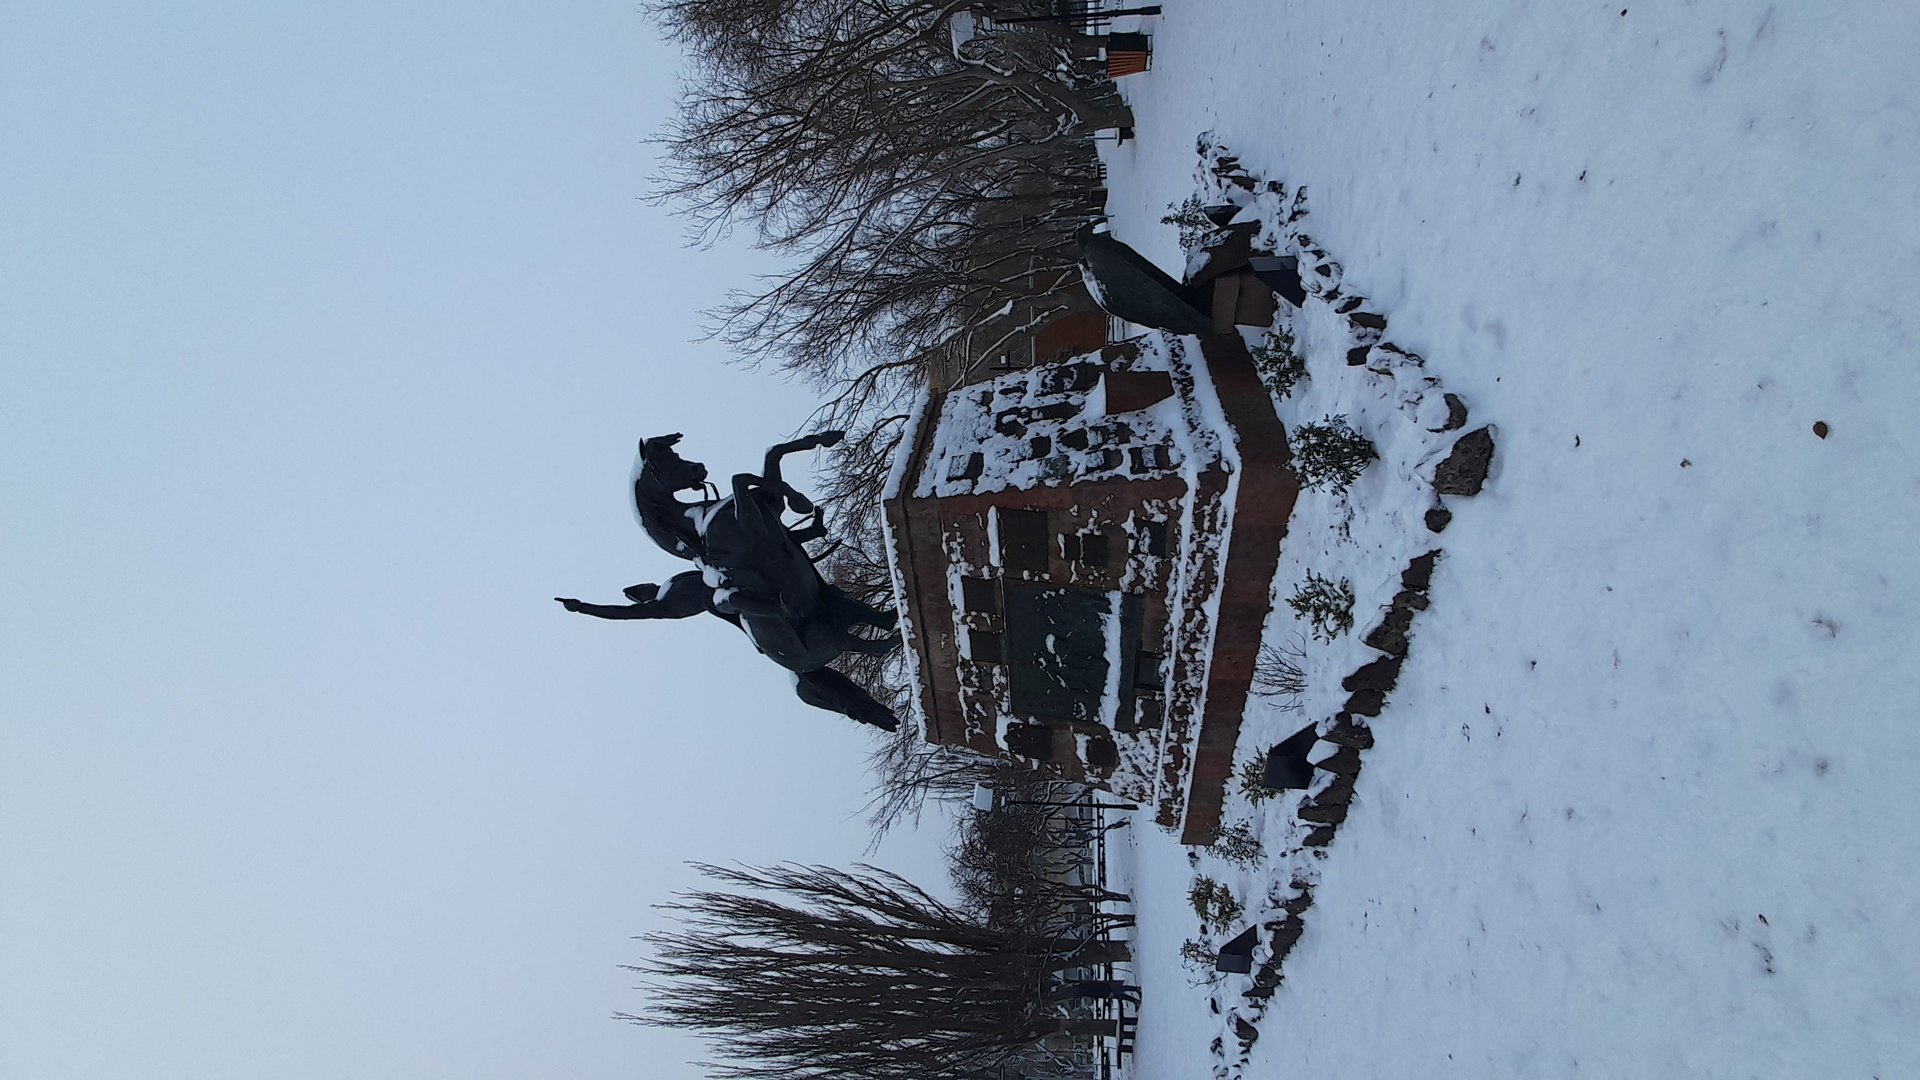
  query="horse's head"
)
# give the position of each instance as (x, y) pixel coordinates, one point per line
(658, 473)
(666, 468)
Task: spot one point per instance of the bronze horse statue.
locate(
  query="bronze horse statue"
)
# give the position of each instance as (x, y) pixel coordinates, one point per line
(754, 571)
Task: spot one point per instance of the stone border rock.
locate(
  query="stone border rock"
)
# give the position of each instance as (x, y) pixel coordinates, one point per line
(1368, 688)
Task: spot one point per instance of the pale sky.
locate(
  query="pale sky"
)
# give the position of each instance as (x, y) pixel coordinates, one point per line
(326, 334)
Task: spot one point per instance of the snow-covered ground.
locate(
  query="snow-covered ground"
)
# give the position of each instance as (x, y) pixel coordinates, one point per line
(1644, 802)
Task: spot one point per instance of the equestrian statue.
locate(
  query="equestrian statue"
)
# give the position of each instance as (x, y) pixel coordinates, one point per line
(753, 570)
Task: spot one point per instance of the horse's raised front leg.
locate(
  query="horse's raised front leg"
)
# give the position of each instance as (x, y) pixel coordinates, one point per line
(770, 470)
(807, 442)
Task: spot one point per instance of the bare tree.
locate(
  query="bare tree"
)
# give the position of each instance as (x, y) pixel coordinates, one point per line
(1029, 861)
(908, 771)
(931, 182)
(821, 974)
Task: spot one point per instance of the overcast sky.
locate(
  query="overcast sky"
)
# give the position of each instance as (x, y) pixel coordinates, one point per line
(326, 334)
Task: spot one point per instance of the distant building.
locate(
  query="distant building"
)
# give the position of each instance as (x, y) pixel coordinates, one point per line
(1084, 552)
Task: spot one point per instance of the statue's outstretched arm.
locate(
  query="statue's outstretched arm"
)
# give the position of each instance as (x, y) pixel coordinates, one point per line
(684, 596)
(611, 611)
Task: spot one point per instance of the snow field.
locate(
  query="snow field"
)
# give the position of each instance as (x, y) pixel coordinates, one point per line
(1643, 802)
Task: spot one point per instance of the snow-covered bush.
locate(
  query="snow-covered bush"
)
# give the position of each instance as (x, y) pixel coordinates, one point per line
(1197, 954)
(1330, 454)
(1237, 844)
(1253, 782)
(1213, 902)
(1199, 957)
(1194, 225)
(1279, 671)
(1327, 607)
(1279, 364)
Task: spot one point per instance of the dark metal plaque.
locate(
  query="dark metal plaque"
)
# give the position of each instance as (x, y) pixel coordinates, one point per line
(1057, 649)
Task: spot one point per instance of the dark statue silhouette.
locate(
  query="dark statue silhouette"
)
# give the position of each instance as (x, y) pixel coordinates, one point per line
(1125, 283)
(754, 572)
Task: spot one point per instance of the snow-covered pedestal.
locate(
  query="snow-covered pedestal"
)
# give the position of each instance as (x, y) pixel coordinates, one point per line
(1084, 552)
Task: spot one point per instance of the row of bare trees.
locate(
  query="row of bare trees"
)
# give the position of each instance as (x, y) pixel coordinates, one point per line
(925, 166)
(927, 163)
(1033, 860)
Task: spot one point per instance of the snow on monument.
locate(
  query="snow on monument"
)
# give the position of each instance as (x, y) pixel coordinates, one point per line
(1083, 552)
